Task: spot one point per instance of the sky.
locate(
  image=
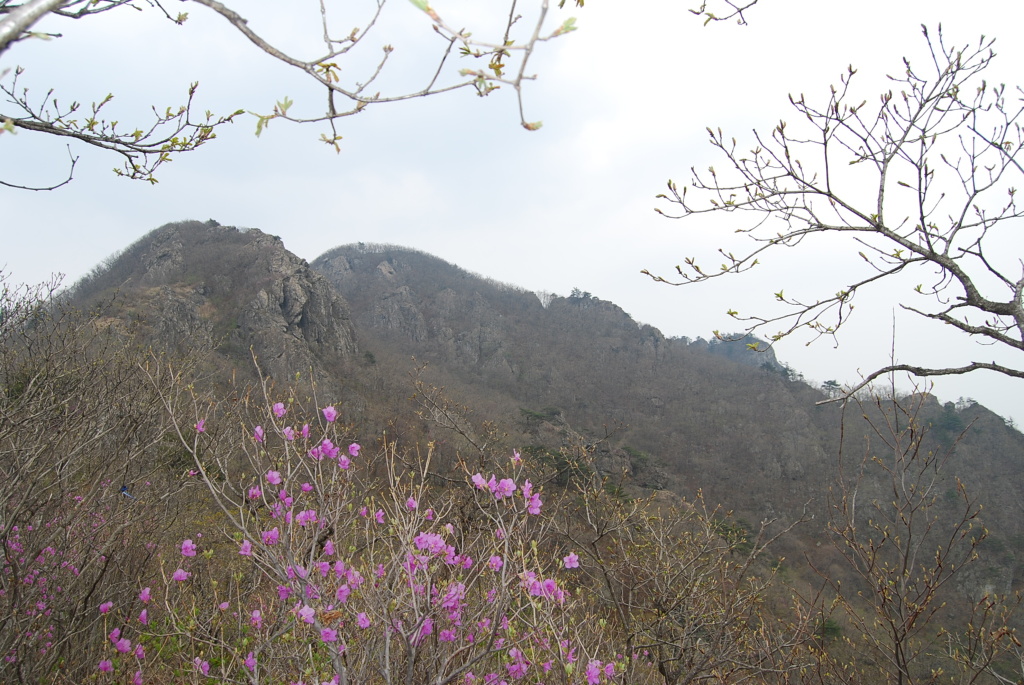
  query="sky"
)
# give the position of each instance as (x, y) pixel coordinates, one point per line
(625, 102)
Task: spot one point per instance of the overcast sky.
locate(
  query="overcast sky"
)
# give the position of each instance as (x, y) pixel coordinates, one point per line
(625, 102)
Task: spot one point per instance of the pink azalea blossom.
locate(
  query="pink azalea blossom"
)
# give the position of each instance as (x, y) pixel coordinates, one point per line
(180, 575)
(362, 620)
(137, 680)
(124, 645)
(246, 549)
(106, 606)
(307, 613)
(250, 662)
(411, 503)
(255, 493)
(379, 515)
(305, 431)
(516, 458)
(289, 433)
(144, 617)
(106, 666)
(256, 618)
(329, 548)
(201, 426)
(270, 537)
(593, 672)
(145, 595)
(328, 635)
(505, 488)
(571, 561)
(202, 665)
(274, 477)
(353, 449)
(330, 413)
(495, 562)
(306, 487)
(364, 512)
(188, 548)
(279, 409)
(479, 481)
(429, 515)
(223, 606)
(258, 434)
(140, 652)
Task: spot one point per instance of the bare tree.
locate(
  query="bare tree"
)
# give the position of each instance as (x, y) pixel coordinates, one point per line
(939, 155)
(496, 61)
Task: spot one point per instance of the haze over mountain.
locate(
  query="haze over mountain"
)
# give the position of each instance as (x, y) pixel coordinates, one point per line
(376, 324)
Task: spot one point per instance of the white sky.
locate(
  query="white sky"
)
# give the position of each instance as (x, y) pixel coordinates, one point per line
(625, 102)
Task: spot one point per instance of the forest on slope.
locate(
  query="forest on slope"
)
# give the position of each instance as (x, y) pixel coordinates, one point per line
(626, 431)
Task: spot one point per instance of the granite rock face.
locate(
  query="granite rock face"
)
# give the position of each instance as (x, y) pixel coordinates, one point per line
(234, 290)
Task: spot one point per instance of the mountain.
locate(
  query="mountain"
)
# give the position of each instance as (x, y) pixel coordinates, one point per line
(236, 292)
(424, 350)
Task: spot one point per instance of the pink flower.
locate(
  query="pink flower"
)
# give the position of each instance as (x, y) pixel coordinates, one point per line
(429, 515)
(362, 620)
(328, 635)
(306, 487)
(516, 459)
(256, 618)
(250, 662)
(305, 431)
(188, 548)
(180, 575)
(306, 613)
(140, 652)
(364, 512)
(353, 449)
(255, 493)
(505, 488)
(330, 413)
(495, 562)
(274, 477)
(270, 537)
(411, 503)
(145, 595)
(329, 548)
(203, 666)
(533, 504)
(571, 561)
(379, 515)
(123, 645)
(479, 481)
(306, 517)
(201, 426)
(223, 606)
(106, 666)
(246, 549)
(594, 672)
(137, 680)
(258, 434)
(144, 617)
(279, 409)
(106, 606)
(609, 669)
(289, 433)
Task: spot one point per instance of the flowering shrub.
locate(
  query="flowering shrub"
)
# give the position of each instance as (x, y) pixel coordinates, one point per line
(335, 575)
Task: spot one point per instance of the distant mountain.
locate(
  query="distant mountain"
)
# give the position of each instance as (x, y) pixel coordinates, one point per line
(237, 292)
(384, 329)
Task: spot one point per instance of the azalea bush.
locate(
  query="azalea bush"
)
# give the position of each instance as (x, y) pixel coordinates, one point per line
(331, 561)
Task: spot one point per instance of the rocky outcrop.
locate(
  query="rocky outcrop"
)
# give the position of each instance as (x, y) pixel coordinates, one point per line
(234, 290)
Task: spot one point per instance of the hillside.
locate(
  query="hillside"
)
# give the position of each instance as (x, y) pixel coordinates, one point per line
(370, 322)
